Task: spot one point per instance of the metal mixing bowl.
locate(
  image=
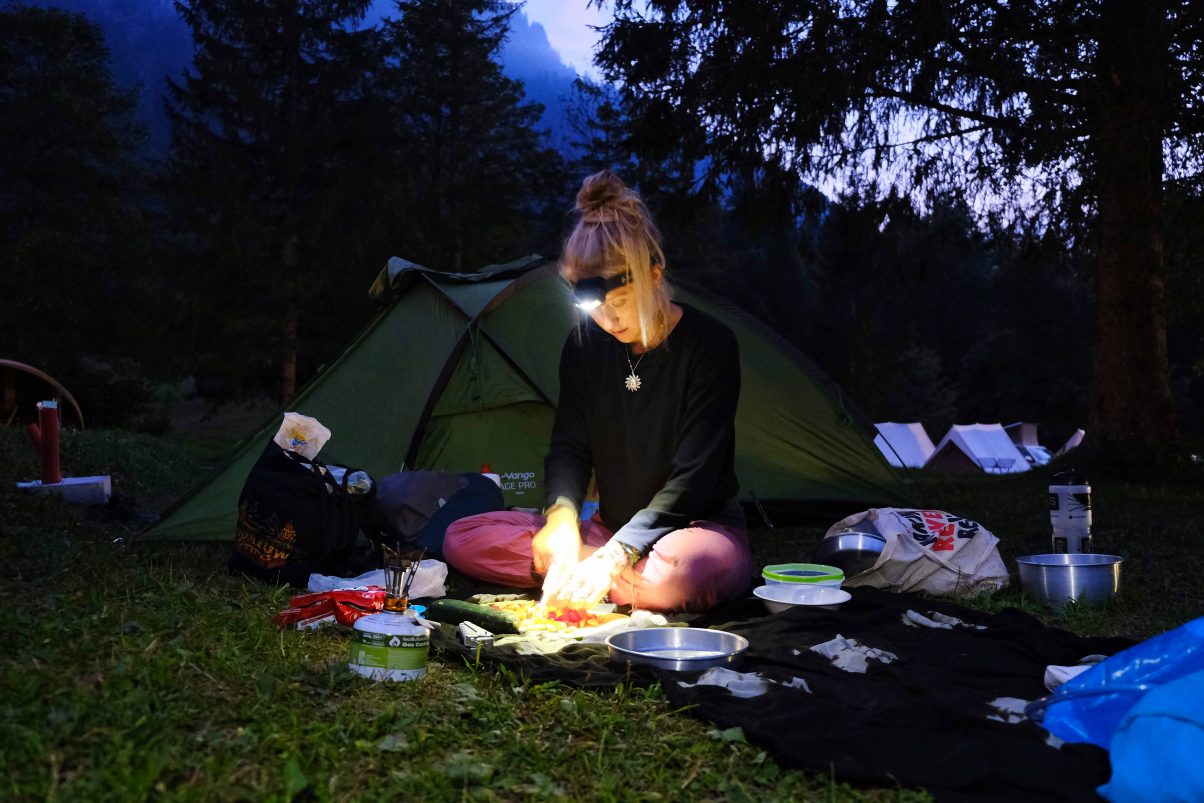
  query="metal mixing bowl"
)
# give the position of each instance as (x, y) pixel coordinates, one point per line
(1056, 579)
(682, 649)
(851, 551)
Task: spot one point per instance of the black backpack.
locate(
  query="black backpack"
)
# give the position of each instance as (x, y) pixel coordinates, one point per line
(295, 519)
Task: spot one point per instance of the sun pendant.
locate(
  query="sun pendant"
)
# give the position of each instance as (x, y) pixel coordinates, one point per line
(632, 382)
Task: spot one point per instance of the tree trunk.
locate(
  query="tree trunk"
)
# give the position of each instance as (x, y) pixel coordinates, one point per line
(288, 354)
(1133, 419)
(288, 361)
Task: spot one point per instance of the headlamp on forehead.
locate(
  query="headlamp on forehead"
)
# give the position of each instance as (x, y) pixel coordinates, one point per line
(590, 294)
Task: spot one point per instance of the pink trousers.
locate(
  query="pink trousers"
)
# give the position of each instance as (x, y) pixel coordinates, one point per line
(692, 569)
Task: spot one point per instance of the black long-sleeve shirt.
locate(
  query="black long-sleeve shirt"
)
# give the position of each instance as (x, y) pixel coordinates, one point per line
(663, 455)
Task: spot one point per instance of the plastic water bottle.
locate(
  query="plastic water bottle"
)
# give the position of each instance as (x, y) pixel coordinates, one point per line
(588, 508)
(1070, 512)
(358, 482)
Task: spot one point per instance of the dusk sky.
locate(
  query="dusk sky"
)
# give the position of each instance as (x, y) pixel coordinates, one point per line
(567, 24)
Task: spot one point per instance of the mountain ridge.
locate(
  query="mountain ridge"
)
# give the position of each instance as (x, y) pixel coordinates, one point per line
(149, 42)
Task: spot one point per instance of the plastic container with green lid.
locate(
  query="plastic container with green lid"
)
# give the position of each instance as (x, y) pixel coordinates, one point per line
(813, 573)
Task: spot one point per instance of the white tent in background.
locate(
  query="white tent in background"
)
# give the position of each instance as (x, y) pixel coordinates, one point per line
(1072, 442)
(904, 445)
(1024, 435)
(981, 447)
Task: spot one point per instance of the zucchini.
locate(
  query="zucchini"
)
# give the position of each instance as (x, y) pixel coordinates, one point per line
(454, 611)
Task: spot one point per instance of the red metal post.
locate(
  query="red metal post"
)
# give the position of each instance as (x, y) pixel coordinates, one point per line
(48, 430)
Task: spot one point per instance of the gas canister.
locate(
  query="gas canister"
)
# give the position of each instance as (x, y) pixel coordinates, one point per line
(389, 646)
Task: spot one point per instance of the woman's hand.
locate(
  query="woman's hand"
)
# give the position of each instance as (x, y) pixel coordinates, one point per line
(587, 582)
(558, 543)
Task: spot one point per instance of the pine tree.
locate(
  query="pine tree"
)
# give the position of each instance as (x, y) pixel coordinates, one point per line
(598, 130)
(478, 183)
(72, 232)
(274, 179)
(1090, 99)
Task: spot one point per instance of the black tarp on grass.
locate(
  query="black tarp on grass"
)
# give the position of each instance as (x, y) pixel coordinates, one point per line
(921, 720)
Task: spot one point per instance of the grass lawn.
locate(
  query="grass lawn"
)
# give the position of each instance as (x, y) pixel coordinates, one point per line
(144, 671)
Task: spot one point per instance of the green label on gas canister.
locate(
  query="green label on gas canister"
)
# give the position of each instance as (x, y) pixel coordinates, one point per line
(389, 651)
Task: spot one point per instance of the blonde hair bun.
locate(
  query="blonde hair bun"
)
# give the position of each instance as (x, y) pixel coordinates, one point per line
(614, 235)
(605, 192)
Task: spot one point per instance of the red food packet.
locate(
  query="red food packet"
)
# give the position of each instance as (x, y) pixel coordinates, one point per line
(345, 613)
(343, 606)
(294, 615)
(372, 597)
(317, 620)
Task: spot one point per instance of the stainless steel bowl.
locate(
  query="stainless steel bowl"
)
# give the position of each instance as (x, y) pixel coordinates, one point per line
(1056, 579)
(681, 649)
(850, 551)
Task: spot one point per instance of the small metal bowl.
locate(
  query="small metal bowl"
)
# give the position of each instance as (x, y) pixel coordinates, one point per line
(1055, 579)
(681, 649)
(851, 551)
(779, 597)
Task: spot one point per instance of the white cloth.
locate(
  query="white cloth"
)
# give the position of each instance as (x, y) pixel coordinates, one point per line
(851, 655)
(928, 550)
(1008, 709)
(638, 619)
(742, 684)
(429, 581)
(937, 621)
(1055, 676)
(553, 641)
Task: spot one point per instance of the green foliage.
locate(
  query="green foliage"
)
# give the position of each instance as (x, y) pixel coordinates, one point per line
(147, 671)
(273, 181)
(73, 235)
(599, 130)
(477, 183)
(1052, 108)
(1015, 86)
(1185, 307)
(136, 672)
(140, 465)
(923, 317)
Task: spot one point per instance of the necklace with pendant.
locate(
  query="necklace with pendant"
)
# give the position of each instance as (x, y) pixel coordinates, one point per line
(632, 382)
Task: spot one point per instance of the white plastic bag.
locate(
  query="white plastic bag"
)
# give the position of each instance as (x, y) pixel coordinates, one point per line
(928, 550)
(301, 434)
(429, 581)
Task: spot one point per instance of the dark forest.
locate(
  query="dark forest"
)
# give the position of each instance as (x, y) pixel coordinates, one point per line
(307, 147)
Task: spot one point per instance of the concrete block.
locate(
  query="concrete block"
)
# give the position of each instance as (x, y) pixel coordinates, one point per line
(76, 490)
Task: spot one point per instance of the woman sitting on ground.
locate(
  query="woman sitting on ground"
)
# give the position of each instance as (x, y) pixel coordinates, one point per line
(648, 393)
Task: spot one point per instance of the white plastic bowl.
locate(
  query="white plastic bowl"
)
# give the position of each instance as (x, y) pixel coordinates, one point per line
(779, 597)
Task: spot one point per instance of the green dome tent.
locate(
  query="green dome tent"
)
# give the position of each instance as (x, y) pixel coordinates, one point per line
(460, 370)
